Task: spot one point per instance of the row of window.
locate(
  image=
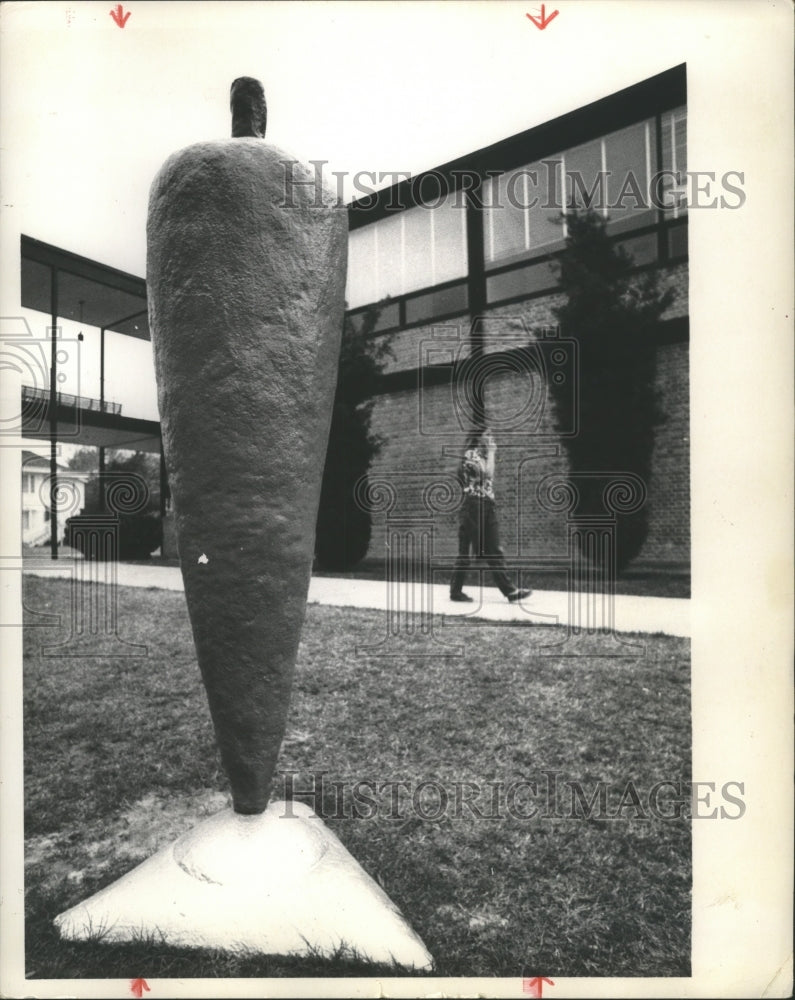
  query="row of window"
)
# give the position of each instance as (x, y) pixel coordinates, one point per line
(535, 276)
(616, 174)
(418, 248)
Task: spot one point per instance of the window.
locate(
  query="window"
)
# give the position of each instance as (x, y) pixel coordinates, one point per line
(614, 174)
(361, 267)
(26, 519)
(441, 302)
(677, 241)
(544, 200)
(630, 158)
(523, 211)
(585, 177)
(449, 240)
(505, 220)
(417, 248)
(641, 249)
(611, 174)
(389, 257)
(674, 159)
(27, 483)
(520, 282)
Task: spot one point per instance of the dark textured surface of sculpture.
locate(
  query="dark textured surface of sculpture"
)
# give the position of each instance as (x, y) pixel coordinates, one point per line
(246, 282)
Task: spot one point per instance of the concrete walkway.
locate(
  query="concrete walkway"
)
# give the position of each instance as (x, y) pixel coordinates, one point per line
(670, 616)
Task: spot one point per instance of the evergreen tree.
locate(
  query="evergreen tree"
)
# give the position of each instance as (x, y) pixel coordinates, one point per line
(343, 528)
(140, 533)
(136, 464)
(613, 315)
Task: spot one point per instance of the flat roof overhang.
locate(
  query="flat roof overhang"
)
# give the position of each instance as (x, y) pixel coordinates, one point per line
(64, 285)
(88, 292)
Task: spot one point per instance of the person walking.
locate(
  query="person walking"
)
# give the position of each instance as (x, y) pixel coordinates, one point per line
(478, 531)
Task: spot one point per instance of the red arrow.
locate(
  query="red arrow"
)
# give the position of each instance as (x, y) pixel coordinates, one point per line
(542, 22)
(120, 18)
(137, 986)
(535, 985)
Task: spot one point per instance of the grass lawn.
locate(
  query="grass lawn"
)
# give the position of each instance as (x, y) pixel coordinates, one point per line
(498, 881)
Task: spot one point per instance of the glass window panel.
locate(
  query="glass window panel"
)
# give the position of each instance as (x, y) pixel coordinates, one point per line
(389, 256)
(388, 317)
(504, 223)
(415, 249)
(417, 266)
(521, 281)
(584, 179)
(674, 158)
(642, 249)
(677, 241)
(525, 211)
(437, 303)
(630, 221)
(630, 156)
(449, 240)
(361, 267)
(544, 196)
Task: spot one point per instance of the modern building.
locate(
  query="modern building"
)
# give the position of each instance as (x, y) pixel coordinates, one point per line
(461, 261)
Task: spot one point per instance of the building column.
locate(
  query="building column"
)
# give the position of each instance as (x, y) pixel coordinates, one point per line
(591, 560)
(410, 503)
(101, 484)
(53, 412)
(476, 287)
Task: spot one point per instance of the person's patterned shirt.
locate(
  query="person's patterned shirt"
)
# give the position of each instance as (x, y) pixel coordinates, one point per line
(476, 482)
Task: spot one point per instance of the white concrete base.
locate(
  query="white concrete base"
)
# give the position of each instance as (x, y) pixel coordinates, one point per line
(278, 883)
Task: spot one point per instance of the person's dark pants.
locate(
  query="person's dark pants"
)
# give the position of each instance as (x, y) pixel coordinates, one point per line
(478, 535)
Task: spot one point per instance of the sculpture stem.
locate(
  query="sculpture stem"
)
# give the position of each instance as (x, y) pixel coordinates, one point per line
(249, 110)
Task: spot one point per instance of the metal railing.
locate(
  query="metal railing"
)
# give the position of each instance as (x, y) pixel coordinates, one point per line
(30, 393)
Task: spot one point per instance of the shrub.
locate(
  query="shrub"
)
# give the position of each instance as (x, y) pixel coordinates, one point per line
(343, 529)
(613, 315)
(138, 536)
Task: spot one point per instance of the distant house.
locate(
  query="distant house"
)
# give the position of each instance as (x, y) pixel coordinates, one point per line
(36, 496)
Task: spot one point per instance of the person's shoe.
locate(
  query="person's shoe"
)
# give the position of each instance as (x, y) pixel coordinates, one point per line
(518, 595)
(460, 596)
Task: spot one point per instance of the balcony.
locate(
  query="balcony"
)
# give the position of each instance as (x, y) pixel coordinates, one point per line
(32, 394)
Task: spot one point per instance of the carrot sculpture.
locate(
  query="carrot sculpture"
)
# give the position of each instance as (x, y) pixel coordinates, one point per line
(246, 277)
(246, 280)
